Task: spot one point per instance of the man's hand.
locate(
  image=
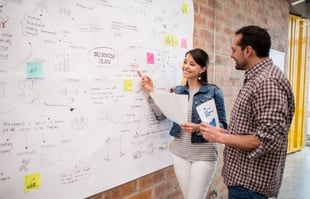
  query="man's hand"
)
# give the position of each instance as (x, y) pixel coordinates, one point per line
(244, 142)
(211, 133)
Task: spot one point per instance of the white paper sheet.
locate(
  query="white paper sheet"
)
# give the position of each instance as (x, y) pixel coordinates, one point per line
(208, 113)
(173, 106)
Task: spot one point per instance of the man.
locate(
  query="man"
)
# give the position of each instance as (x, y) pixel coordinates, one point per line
(256, 139)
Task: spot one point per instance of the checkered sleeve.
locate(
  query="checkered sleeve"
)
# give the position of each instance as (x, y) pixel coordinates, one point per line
(270, 111)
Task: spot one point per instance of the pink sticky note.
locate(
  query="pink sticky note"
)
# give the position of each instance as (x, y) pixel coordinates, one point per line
(183, 43)
(149, 58)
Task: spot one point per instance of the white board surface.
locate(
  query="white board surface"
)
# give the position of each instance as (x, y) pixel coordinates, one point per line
(278, 58)
(73, 118)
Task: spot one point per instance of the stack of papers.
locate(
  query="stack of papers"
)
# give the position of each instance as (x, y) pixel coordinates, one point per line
(175, 108)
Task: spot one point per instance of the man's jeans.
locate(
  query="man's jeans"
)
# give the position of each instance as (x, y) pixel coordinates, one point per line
(239, 192)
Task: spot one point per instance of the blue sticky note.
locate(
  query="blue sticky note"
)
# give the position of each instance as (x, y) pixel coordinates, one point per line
(34, 70)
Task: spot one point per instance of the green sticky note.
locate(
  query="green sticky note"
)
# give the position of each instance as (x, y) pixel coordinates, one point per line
(34, 70)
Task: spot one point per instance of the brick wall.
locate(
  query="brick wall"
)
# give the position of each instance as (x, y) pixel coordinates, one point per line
(215, 23)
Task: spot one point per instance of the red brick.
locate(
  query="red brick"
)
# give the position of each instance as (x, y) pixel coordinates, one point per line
(169, 171)
(151, 179)
(161, 190)
(97, 196)
(121, 191)
(143, 195)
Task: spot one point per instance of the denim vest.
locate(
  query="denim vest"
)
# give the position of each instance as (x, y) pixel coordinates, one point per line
(205, 93)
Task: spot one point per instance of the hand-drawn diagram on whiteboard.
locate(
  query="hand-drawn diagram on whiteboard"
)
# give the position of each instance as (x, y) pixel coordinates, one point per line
(72, 112)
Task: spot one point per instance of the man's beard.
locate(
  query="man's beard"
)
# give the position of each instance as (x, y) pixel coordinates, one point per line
(241, 65)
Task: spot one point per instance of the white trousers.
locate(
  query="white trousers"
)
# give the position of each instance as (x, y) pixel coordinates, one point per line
(194, 177)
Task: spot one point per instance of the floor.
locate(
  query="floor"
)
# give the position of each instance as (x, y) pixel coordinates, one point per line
(296, 179)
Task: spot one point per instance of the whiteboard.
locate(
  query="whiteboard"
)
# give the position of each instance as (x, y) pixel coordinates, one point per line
(278, 58)
(73, 118)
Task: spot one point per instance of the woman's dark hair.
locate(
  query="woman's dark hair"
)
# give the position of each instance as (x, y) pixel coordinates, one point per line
(201, 58)
(256, 37)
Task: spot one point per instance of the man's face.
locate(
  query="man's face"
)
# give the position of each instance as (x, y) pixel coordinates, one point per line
(237, 54)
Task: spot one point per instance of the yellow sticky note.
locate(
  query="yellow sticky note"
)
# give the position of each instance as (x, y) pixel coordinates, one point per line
(168, 39)
(128, 85)
(184, 8)
(32, 181)
(175, 41)
(171, 40)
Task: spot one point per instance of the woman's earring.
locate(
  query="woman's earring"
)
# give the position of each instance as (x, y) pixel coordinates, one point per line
(199, 78)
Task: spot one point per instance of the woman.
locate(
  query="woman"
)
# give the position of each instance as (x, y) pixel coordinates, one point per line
(194, 159)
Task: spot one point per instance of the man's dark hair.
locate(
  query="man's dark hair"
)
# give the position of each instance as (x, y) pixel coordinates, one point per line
(256, 37)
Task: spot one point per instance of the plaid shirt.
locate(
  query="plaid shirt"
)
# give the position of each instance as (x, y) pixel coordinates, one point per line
(264, 108)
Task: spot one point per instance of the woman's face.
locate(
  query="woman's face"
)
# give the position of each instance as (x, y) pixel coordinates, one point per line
(191, 70)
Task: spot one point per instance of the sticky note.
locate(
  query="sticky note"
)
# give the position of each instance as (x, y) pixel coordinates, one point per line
(149, 58)
(184, 8)
(128, 85)
(168, 39)
(171, 40)
(183, 43)
(34, 70)
(175, 41)
(31, 182)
